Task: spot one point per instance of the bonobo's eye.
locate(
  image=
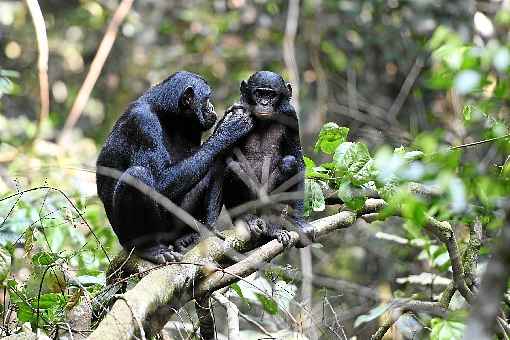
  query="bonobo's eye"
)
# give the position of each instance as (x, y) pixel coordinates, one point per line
(269, 94)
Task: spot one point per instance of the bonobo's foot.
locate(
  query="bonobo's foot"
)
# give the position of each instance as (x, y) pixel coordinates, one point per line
(256, 225)
(283, 236)
(186, 241)
(159, 254)
(306, 233)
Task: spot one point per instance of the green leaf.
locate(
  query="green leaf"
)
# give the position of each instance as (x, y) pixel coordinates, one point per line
(314, 198)
(467, 112)
(25, 312)
(44, 258)
(330, 136)
(413, 155)
(49, 300)
(446, 330)
(235, 286)
(353, 160)
(237, 289)
(313, 171)
(505, 169)
(268, 304)
(372, 314)
(309, 163)
(348, 195)
(414, 210)
(29, 240)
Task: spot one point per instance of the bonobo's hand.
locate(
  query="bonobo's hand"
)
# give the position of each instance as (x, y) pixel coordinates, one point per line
(235, 108)
(236, 124)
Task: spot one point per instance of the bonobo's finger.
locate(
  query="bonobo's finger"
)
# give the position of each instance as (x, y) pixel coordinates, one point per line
(235, 108)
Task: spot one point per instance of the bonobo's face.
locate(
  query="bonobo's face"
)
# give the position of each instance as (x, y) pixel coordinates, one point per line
(199, 106)
(206, 113)
(264, 92)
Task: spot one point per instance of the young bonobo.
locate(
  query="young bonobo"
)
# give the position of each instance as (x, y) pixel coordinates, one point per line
(158, 142)
(269, 158)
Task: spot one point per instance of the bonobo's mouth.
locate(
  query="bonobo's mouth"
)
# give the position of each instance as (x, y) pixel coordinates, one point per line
(208, 119)
(264, 113)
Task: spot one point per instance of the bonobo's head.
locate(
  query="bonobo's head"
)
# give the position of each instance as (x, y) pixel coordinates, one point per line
(264, 93)
(189, 95)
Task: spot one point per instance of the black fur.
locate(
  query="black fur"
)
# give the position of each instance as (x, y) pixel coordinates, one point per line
(269, 156)
(158, 141)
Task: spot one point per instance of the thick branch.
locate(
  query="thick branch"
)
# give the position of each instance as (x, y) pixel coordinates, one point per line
(162, 290)
(494, 285)
(232, 315)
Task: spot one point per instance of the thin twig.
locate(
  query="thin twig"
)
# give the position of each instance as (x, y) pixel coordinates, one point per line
(95, 68)
(42, 61)
(479, 142)
(406, 88)
(289, 49)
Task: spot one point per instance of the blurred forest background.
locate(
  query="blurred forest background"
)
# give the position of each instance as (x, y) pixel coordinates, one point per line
(423, 73)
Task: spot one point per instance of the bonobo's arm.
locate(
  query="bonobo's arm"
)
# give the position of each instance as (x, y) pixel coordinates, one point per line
(181, 177)
(177, 179)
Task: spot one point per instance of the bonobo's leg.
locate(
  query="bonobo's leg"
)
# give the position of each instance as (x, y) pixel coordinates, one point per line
(138, 215)
(213, 200)
(204, 202)
(289, 177)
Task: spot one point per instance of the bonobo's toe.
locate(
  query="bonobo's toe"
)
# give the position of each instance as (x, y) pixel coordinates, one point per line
(172, 256)
(159, 254)
(284, 238)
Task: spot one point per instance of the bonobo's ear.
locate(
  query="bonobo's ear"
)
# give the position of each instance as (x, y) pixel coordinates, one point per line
(289, 89)
(244, 89)
(187, 97)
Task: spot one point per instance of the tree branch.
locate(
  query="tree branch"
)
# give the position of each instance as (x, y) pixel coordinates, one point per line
(232, 315)
(486, 308)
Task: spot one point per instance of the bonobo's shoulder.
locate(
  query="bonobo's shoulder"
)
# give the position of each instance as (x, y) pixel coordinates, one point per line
(140, 116)
(139, 125)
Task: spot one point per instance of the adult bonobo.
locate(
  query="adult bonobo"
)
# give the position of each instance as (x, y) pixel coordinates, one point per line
(158, 142)
(269, 159)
